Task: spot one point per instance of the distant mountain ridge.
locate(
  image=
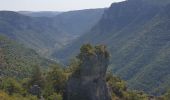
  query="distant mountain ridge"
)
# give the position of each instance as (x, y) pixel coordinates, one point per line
(67, 21)
(40, 13)
(37, 33)
(137, 34)
(46, 34)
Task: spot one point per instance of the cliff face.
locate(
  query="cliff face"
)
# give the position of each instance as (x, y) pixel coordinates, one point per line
(137, 34)
(88, 82)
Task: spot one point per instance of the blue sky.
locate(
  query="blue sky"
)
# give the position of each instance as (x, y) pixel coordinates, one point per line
(53, 5)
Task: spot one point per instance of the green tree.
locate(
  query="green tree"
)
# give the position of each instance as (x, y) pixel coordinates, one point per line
(37, 82)
(10, 85)
(166, 96)
(37, 77)
(118, 86)
(56, 79)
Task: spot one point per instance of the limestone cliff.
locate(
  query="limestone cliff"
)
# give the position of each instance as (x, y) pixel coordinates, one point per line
(88, 82)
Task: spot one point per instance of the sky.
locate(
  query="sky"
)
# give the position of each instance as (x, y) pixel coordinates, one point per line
(53, 5)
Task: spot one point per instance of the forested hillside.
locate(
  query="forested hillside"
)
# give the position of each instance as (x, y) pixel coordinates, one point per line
(78, 22)
(18, 61)
(46, 34)
(137, 34)
(86, 74)
(36, 33)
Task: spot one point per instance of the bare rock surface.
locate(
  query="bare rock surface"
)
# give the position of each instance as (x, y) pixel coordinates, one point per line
(88, 82)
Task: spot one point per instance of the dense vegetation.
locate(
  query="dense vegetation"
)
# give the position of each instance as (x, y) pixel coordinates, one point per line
(46, 34)
(137, 35)
(50, 85)
(18, 61)
(135, 31)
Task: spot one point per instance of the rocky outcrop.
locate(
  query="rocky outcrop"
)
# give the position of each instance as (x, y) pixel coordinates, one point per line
(35, 90)
(88, 82)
